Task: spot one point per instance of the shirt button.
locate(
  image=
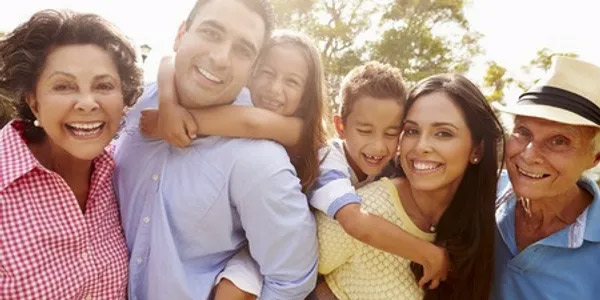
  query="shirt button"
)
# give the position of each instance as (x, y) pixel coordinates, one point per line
(139, 260)
(155, 177)
(146, 220)
(88, 297)
(84, 255)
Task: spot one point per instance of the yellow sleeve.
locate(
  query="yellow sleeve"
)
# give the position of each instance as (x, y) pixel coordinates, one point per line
(335, 245)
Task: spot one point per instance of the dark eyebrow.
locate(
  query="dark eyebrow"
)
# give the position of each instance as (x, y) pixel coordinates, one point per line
(435, 124)
(364, 124)
(216, 25)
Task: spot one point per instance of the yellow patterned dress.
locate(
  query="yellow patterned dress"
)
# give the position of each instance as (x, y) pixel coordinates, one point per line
(356, 271)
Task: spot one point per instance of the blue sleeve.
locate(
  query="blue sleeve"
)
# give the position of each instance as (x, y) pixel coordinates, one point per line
(280, 228)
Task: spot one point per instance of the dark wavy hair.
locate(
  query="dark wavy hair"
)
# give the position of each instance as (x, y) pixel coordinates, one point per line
(24, 51)
(312, 109)
(466, 229)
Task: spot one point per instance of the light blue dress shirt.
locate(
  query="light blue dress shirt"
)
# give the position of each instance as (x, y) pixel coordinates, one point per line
(554, 267)
(186, 212)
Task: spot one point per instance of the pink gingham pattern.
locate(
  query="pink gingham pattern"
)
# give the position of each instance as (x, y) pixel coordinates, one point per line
(49, 249)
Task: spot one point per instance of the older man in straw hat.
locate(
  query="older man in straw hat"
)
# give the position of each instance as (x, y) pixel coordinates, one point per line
(548, 216)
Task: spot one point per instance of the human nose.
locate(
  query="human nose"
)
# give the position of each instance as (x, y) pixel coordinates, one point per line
(379, 146)
(530, 153)
(423, 144)
(276, 86)
(86, 102)
(220, 57)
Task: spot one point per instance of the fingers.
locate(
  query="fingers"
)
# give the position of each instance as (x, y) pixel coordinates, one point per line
(423, 281)
(191, 128)
(434, 284)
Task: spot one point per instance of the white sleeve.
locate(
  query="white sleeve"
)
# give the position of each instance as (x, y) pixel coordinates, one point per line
(244, 272)
(333, 188)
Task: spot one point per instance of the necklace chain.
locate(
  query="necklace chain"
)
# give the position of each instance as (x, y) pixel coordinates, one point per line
(432, 226)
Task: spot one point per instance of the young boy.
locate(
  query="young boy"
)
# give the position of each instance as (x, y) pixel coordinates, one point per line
(369, 126)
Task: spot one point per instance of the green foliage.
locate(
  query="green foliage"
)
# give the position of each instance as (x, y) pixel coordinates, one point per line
(495, 78)
(421, 37)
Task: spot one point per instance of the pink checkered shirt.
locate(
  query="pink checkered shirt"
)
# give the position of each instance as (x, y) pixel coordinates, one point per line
(49, 249)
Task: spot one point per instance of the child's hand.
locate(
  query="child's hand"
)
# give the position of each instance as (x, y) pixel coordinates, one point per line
(149, 123)
(177, 125)
(437, 267)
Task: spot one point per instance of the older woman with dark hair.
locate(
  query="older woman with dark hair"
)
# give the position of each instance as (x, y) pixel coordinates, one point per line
(548, 215)
(69, 76)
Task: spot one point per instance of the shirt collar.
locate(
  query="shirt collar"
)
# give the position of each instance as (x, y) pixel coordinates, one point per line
(585, 227)
(15, 157)
(592, 220)
(17, 160)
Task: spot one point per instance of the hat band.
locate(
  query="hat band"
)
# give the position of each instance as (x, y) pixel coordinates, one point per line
(563, 99)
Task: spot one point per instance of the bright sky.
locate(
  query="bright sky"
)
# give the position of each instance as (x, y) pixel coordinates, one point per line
(513, 29)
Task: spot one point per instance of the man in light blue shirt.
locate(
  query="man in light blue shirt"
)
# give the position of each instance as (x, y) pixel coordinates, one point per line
(564, 265)
(186, 212)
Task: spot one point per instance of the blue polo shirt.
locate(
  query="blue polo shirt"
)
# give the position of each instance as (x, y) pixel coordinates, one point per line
(564, 265)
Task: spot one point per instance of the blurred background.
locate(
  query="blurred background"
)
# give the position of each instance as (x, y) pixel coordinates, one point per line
(504, 46)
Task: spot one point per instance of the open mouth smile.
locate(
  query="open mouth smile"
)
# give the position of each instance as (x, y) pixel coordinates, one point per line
(425, 167)
(86, 130)
(209, 76)
(531, 175)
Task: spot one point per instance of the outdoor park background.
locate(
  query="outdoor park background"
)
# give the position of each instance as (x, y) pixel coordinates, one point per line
(504, 46)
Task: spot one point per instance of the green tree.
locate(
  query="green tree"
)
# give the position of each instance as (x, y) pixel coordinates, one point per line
(421, 37)
(496, 80)
(425, 37)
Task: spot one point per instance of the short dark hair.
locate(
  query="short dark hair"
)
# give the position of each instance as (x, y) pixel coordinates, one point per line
(261, 7)
(24, 51)
(372, 79)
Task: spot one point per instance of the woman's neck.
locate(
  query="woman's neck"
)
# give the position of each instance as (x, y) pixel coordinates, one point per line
(76, 172)
(430, 205)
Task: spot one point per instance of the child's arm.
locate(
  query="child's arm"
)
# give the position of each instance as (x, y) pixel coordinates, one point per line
(336, 196)
(240, 279)
(224, 120)
(383, 235)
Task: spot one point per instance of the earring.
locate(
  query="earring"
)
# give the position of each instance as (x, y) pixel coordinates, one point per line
(475, 160)
(36, 123)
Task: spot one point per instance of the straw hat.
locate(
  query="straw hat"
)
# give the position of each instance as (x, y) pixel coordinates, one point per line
(569, 94)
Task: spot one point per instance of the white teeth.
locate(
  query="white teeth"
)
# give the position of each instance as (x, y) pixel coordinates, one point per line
(528, 174)
(85, 133)
(373, 157)
(86, 126)
(209, 76)
(424, 166)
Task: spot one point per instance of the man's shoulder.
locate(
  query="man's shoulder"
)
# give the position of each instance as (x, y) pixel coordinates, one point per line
(259, 154)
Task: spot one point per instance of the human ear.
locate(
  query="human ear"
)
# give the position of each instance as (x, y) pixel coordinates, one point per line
(476, 154)
(339, 125)
(180, 32)
(33, 104)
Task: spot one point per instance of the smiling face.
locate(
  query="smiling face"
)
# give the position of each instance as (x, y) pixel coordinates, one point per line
(280, 80)
(436, 144)
(78, 100)
(215, 55)
(370, 134)
(546, 158)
